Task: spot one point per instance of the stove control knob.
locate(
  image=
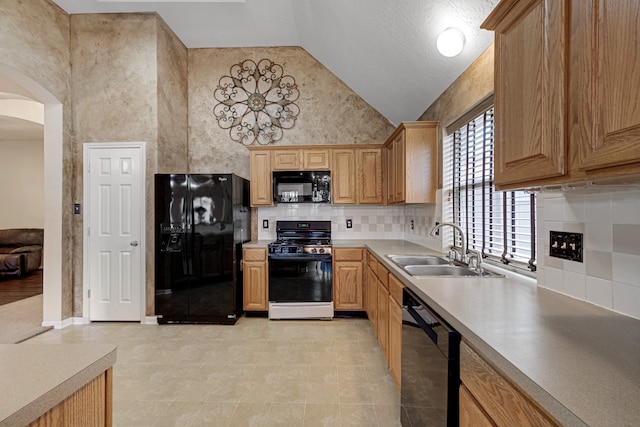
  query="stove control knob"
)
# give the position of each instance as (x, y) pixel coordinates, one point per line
(314, 250)
(321, 250)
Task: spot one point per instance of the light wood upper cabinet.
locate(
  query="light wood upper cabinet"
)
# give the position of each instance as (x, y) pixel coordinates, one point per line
(347, 279)
(316, 159)
(412, 163)
(255, 279)
(369, 176)
(566, 80)
(260, 182)
(343, 178)
(293, 159)
(606, 110)
(357, 175)
(286, 160)
(531, 78)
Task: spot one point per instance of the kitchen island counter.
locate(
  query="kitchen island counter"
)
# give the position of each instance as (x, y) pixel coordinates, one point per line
(35, 378)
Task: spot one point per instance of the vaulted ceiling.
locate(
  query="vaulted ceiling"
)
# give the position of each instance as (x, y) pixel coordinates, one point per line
(384, 50)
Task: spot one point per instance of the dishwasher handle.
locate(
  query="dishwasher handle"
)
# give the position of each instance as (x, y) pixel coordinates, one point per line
(426, 327)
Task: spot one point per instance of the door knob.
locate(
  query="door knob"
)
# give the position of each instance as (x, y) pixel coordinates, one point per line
(134, 243)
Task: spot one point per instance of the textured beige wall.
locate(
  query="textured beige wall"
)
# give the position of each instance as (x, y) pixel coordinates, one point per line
(473, 85)
(35, 41)
(115, 84)
(171, 152)
(172, 102)
(330, 112)
(129, 84)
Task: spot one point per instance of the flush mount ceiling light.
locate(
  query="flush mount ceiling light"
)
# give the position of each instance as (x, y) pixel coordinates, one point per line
(450, 42)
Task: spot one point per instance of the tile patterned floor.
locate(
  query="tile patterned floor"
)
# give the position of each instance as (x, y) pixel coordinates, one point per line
(255, 373)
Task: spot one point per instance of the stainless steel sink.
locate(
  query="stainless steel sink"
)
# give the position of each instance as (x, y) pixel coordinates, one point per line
(437, 266)
(439, 270)
(447, 271)
(404, 260)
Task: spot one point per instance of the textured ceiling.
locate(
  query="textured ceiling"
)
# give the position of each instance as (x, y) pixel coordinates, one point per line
(382, 49)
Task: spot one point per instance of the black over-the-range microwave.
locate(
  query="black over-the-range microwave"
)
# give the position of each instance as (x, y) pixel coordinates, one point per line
(302, 187)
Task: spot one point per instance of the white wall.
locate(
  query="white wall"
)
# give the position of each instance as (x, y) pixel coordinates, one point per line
(21, 184)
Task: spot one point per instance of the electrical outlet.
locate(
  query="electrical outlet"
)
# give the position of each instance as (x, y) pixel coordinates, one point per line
(265, 223)
(437, 231)
(76, 208)
(565, 245)
(412, 225)
(349, 223)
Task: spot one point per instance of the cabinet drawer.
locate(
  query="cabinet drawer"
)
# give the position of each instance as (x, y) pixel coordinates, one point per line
(255, 254)
(505, 403)
(383, 275)
(347, 254)
(395, 288)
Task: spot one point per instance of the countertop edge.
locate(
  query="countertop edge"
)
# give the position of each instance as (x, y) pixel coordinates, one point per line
(549, 403)
(45, 402)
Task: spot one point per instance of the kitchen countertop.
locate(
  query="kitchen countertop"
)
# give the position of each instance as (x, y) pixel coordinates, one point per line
(36, 377)
(578, 361)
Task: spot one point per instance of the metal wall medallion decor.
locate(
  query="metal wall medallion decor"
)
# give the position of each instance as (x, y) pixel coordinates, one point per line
(256, 102)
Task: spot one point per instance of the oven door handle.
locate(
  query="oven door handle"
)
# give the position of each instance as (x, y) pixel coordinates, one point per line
(276, 257)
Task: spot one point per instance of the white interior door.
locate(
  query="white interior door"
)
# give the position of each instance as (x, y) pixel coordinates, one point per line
(114, 225)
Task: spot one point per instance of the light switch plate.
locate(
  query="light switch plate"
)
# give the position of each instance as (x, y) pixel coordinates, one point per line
(566, 245)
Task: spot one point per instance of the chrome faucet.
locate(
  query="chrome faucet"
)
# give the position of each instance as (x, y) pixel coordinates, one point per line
(464, 240)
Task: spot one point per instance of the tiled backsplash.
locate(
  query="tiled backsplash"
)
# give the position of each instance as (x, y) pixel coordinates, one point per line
(369, 222)
(610, 220)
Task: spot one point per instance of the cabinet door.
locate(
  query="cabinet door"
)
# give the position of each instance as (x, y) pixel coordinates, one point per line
(399, 169)
(395, 340)
(314, 160)
(608, 55)
(255, 279)
(286, 160)
(260, 185)
(372, 300)
(343, 176)
(369, 176)
(471, 413)
(347, 289)
(382, 324)
(531, 82)
(347, 279)
(499, 398)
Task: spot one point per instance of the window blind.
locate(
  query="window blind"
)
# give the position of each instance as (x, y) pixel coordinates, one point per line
(499, 224)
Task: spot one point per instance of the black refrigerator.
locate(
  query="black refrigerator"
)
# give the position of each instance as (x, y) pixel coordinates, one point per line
(201, 222)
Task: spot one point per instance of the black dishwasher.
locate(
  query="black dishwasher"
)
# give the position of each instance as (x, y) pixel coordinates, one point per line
(430, 367)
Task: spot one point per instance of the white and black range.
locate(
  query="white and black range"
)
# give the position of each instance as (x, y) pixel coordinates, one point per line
(201, 222)
(300, 271)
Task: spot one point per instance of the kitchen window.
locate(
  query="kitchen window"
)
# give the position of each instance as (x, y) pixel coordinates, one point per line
(499, 224)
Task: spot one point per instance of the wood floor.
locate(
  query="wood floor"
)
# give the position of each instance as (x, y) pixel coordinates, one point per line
(12, 290)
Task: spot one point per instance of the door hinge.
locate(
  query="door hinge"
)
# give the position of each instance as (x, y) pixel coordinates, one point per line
(88, 293)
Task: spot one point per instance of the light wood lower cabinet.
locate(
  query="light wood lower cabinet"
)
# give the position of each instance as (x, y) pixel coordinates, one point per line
(92, 405)
(347, 279)
(492, 393)
(395, 329)
(255, 279)
(383, 319)
(384, 309)
(471, 413)
(372, 299)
